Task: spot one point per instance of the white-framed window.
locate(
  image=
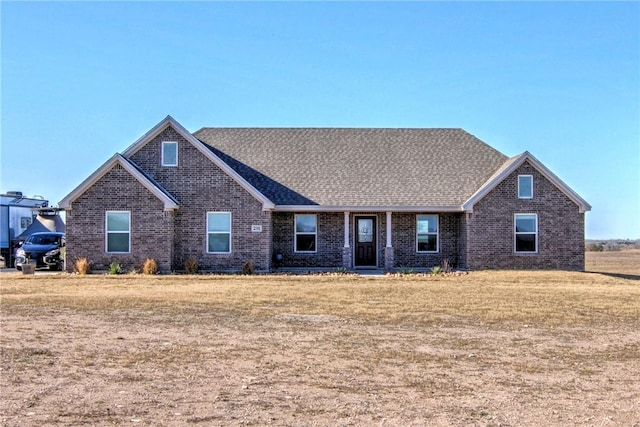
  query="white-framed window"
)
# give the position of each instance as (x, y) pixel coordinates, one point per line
(306, 233)
(218, 232)
(525, 233)
(169, 153)
(118, 232)
(427, 240)
(525, 186)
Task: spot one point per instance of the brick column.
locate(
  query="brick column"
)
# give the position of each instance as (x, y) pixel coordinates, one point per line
(388, 258)
(346, 258)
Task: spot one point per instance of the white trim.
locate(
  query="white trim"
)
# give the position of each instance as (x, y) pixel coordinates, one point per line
(170, 121)
(107, 232)
(219, 232)
(509, 167)
(515, 233)
(117, 159)
(306, 233)
(530, 187)
(165, 144)
(437, 233)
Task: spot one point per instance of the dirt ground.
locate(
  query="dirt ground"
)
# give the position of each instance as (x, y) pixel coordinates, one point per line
(198, 365)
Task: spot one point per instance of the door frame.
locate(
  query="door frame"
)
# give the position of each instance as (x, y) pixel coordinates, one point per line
(375, 239)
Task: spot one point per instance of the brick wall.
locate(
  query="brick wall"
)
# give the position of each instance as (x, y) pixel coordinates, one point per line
(151, 226)
(201, 187)
(329, 241)
(404, 241)
(490, 228)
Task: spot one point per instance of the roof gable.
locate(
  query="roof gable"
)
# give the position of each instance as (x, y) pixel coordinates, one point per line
(211, 155)
(510, 166)
(169, 202)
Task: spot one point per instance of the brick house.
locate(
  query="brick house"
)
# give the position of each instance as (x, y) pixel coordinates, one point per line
(323, 198)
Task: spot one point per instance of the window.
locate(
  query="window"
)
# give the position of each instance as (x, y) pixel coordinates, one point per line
(306, 233)
(219, 232)
(525, 187)
(118, 230)
(169, 153)
(427, 233)
(526, 233)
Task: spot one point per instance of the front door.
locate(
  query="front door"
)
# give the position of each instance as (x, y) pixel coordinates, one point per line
(365, 248)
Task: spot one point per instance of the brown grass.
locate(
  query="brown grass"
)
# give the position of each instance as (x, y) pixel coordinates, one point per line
(542, 297)
(615, 262)
(486, 348)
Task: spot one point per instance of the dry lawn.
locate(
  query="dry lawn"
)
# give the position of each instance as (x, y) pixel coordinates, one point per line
(487, 348)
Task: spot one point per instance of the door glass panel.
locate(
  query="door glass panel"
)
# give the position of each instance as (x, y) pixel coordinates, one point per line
(365, 230)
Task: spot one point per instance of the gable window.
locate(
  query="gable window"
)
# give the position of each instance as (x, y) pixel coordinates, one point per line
(427, 233)
(306, 233)
(525, 186)
(526, 233)
(118, 232)
(169, 153)
(219, 232)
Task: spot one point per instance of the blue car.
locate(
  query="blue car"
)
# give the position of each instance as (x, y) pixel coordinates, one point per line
(45, 249)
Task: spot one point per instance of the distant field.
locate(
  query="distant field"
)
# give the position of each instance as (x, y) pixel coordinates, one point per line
(485, 348)
(623, 262)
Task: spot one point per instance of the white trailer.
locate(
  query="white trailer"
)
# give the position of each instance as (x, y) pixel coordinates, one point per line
(16, 215)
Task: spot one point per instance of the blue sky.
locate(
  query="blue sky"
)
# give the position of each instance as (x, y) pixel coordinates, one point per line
(83, 80)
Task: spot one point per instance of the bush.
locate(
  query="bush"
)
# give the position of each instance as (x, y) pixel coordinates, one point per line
(248, 267)
(595, 247)
(150, 266)
(191, 266)
(115, 268)
(82, 266)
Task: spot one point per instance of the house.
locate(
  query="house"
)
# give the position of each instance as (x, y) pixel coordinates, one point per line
(323, 198)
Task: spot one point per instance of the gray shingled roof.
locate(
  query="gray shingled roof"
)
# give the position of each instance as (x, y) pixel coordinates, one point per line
(357, 167)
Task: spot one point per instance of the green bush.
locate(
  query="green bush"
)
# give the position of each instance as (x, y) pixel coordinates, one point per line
(115, 268)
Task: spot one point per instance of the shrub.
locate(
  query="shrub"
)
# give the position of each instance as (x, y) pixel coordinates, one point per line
(436, 269)
(150, 266)
(248, 267)
(115, 268)
(191, 266)
(595, 247)
(406, 270)
(82, 266)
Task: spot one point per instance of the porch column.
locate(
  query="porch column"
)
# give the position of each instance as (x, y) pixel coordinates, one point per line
(346, 229)
(346, 250)
(389, 244)
(389, 260)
